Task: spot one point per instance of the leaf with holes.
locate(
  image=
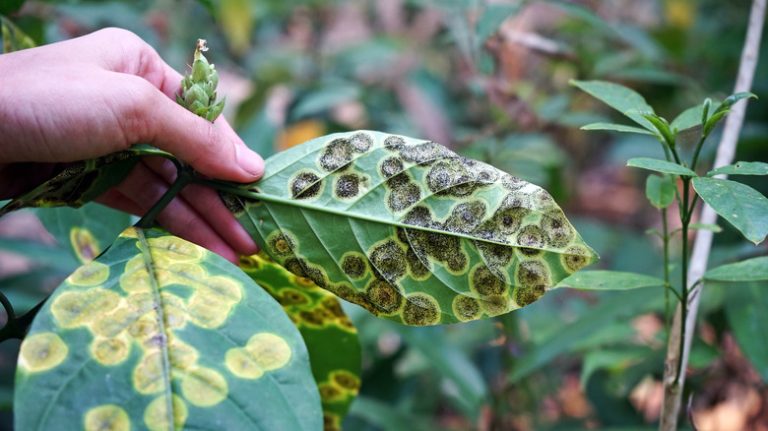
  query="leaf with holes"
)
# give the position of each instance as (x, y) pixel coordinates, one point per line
(158, 333)
(331, 339)
(408, 229)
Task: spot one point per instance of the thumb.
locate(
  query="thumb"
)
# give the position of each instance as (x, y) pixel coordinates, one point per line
(213, 149)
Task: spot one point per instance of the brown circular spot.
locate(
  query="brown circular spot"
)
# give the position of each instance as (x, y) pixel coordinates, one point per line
(305, 185)
(385, 297)
(421, 309)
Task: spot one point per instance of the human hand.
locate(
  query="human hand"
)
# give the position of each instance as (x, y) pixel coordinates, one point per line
(102, 93)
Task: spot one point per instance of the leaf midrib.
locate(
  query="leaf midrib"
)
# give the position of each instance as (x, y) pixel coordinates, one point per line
(255, 195)
(150, 267)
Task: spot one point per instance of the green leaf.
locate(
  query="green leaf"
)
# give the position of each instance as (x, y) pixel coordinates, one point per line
(689, 118)
(616, 128)
(741, 168)
(705, 226)
(614, 360)
(491, 19)
(663, 127)
(620, 98)
(236, 18)
(755, 269)
(660, 190)
(330, 337)
(659, 165)
(160, 333)
(746, 314)
(744, 207)
(609, 280)
(40, 254)
(451, 363)
(386, 417)
(13, 38)
(85, 231)
(407, 229)
(596, 326)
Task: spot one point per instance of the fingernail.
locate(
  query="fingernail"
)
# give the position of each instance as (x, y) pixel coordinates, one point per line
(250, 162)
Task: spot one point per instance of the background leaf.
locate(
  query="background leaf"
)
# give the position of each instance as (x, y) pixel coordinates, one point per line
(620, 98)
(199, 344)
(86, 231)
(616, 128)
(609, 280)
(745, 308)
(659, 165)
(660, 190)
(430, 237)
(744, 207)
(330, 337)
(741, 168)
(755, 269)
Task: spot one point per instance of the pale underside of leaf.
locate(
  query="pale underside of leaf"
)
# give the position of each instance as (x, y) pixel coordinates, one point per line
(437, 238)
(159, 333)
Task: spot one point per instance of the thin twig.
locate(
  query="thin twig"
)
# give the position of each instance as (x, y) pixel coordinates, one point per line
(700, 255)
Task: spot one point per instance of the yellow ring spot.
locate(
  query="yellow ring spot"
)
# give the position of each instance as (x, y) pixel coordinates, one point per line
(84, 243)
(73, 309)
(240, 363)
(270, 351)
(135, 277)
(208, 311)
(148, 375)
(174, 249)
(108, 417)
(91, 274)
(41, 352)
(156, 414)
(109, 351)
(204, 387)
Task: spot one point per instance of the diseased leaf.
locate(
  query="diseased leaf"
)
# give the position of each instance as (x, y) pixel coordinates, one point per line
(616, 128)
(741, 168)
(744, 207)
(620, 98)
(660, 190)
(408, 229)
(331, 339)
(85, 231)
(83, 181)
(755, 269)
(158, 333)
(659, 165)
(609, 280)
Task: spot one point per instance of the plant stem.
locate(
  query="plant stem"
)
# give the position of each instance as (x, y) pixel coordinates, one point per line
(667, 284)
(184, 177)
(700, 254)
(698, 150)
(685, 218)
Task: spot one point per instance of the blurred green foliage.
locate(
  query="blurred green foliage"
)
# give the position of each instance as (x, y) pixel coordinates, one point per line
(489, 79)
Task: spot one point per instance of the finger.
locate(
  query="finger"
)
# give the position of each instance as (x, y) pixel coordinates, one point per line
(208, 204)
(113, 198)
(213, 149)
(143, 188)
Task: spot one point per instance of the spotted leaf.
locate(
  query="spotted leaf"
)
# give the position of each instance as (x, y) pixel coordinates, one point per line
(408, 229)
(331, 339)
(158, 333)
(83, 181)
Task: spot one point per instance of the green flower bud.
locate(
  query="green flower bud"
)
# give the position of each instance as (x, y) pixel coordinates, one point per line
(198, 89)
